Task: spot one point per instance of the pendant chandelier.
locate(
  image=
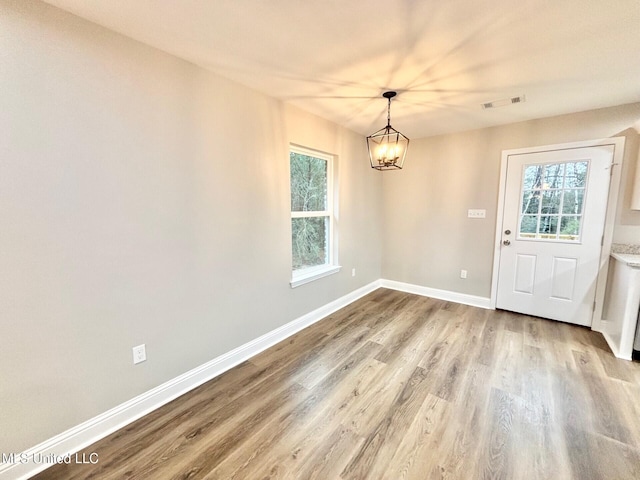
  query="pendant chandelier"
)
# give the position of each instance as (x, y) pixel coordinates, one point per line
(387, 147)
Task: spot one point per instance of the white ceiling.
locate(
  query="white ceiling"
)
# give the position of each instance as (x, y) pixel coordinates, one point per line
(336, 57)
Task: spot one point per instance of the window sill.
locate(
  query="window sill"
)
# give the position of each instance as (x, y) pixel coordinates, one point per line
(313, 274)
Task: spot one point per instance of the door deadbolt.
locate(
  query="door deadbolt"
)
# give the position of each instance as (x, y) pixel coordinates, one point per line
(507, 232)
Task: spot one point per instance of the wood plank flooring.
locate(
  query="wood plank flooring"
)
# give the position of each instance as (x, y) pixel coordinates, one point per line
(398, 386)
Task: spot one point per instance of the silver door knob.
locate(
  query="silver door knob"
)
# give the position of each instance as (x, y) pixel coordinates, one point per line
(506, 243)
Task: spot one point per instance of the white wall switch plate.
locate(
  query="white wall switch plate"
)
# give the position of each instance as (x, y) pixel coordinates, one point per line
(353, 272)
(139, 354)
(463, 274)
(476, 213)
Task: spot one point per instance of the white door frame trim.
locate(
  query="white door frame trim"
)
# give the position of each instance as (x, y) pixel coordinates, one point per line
(612, 203)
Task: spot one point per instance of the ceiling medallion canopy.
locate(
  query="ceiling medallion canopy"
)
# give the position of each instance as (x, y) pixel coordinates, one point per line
(387, 147)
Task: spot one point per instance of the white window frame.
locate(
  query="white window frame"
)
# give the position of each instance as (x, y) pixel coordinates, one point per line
(306, 275)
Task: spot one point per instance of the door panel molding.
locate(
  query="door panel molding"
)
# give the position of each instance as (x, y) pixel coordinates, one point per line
(563, 268)
(618, 153)
(525, 277)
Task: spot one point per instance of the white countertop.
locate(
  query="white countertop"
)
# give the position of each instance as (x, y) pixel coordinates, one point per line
(628, 258)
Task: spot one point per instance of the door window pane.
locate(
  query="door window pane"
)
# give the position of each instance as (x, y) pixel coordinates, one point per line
(570, 225)
(548, 225)
(533, 177)
(531, 202)
(552, 201)
(576, 174)
(553, 174)
(572, 202)
(529, 226)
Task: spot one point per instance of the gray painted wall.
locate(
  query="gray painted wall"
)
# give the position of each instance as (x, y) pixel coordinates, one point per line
(144, 200)
(427, 236)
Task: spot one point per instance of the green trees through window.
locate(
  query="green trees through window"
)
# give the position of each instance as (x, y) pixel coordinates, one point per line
(552, 201)
(310, 208)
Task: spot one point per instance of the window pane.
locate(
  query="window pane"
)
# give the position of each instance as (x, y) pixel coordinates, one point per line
(548, 226)
(576, 174)
(309, 239)
(573, 200)
(550, 201)
(553, 174)
(532, 177)
(558, 189)
(570, 226)
(530, 201)
(308, 183)
(528, 225)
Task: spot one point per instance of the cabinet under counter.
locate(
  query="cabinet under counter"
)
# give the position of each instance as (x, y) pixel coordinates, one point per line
(622, 303)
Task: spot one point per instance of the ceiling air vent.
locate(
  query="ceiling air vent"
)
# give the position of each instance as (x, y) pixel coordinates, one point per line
(503, 102)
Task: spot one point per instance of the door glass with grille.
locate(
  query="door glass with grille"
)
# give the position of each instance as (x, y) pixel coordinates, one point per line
(552, 201)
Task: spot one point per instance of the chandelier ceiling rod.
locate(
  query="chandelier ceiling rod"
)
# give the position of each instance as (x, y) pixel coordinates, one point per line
(389, 96)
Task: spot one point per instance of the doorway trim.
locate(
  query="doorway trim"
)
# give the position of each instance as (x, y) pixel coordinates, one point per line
(609, 222)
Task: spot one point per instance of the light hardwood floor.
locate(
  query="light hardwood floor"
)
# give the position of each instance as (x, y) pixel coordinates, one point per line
(398, 386)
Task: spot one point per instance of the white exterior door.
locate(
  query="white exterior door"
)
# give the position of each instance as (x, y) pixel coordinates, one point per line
(552, 228)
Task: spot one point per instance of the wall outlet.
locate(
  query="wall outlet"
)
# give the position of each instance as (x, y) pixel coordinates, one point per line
(353, 272)
(476, 213)
(139, 354)
(463, 274)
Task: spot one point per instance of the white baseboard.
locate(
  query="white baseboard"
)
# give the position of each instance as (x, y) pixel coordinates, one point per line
(613, 347)
(89, 432)
(474, 301)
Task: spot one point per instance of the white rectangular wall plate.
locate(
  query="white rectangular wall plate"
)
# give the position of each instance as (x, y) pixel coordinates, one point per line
(476, 213)
(139, 354)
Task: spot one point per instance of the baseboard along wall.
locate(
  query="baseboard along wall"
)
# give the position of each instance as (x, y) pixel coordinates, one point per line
(81, 436)
(473, 300)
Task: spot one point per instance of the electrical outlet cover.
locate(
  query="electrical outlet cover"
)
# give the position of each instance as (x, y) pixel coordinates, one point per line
(139, 354)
